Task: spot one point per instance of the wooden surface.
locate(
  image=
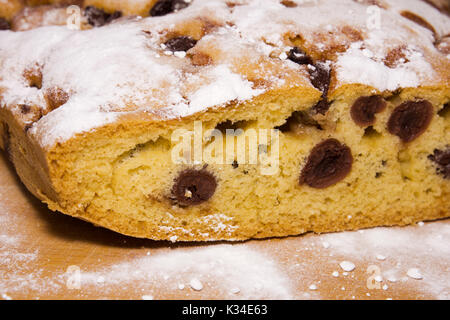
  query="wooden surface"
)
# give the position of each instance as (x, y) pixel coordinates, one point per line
(45, 255)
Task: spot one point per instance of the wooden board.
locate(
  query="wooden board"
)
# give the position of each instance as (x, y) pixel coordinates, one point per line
(45, 255)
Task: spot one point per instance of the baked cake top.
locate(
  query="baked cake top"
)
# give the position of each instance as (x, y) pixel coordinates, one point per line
(211, 53)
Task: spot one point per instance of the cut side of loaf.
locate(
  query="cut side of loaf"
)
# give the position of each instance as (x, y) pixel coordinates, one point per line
(232, 120)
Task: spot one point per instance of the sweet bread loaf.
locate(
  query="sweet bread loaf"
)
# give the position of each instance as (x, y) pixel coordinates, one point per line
(231, 120)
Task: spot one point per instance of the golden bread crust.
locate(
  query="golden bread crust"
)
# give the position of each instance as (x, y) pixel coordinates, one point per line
(88, 116)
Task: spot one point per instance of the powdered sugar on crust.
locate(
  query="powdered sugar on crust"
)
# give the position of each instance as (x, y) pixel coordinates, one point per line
(124, 67)
(227, 86)
(363, 65)
(217, 223)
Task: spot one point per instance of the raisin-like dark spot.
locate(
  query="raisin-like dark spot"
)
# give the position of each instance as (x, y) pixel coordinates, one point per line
(297, 55)
(419, 20)
(328, 163)
(163, 7)
(235, 164)
(442, 160)
(4, 24)
(321, 78)
(193, 187)
(364, 109)
(410, 120)
(97, 17)
(182, 43)
(320, 75)
(55, 97)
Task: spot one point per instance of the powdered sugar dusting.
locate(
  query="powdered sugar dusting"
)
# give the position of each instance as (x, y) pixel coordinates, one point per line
(217, 223)
(412, 257)
(224, 267)
(228, 86)
(404, 252)
(357, 64)
(123, 68)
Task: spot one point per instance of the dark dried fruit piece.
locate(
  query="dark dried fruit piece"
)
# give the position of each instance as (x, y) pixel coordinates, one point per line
(364, 109)
(97, 17)
(297, 55)
(4, 24)
(163, 7)
(328, 163)
(442, 159)
(55, 97)
(321, 79)
(410, 119)
(320, 74)
(182, 43)
(193, 187)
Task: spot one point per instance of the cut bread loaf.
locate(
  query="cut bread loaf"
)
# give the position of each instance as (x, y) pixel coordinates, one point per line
(339, 110)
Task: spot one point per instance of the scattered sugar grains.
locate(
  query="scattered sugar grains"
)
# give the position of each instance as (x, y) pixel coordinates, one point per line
(414, 274)
(232, 269)
(407, 247)
(235, 290)
(224, 266)
(347, 266)
(313, 287)
(124, 51)
(196, 284)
